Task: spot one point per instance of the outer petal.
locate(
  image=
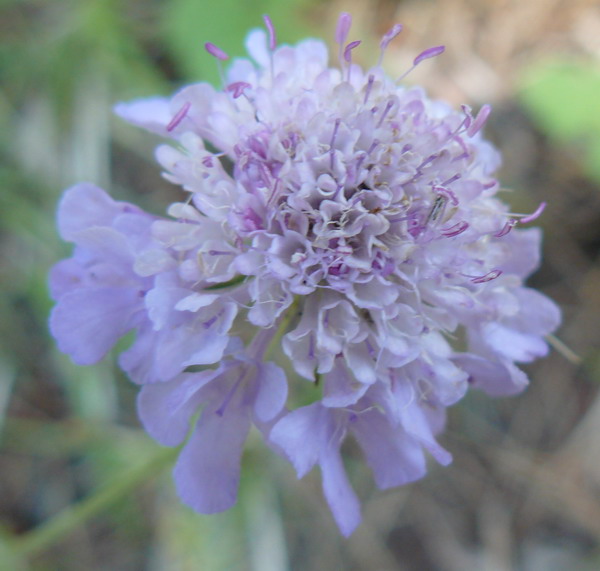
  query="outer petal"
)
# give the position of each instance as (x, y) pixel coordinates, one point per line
(295, 434)
(272, 391)
(394, 457)
(337, 489)
(87, 323)
(207, 472)
(85, 205)
(153, 114)
(512, 344)
(495, 378)
(166, 409)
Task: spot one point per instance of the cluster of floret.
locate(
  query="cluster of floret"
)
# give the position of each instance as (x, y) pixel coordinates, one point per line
(340, 231)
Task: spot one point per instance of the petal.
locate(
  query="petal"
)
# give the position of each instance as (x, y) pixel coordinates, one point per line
(394, 457)
(340, 496)
(153, 114)
(166, 409)
(207, 472)
(340, 388)
(272, 391)
(85, 205)
(297, 434)
(88, 322)
(495, 378)
(512, 344)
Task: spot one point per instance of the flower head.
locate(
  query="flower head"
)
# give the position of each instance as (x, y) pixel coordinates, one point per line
(334, 214)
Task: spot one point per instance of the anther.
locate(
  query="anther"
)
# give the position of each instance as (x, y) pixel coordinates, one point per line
(456, 229)
(237, 88)
(179, 116)
(479, 120)
(531, 217)
(341, 33)
(271, 30)
(427, 54)
(387, 38)
(506, 228)
(215, 51)
(388, 106)
(486, 278)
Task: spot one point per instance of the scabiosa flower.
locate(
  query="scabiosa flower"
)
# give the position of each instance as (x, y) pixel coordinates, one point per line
(342, 233)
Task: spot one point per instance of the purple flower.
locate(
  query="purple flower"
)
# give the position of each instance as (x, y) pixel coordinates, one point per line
(334, 217)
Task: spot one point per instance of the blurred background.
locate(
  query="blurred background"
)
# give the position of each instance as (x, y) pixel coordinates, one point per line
(83, 487)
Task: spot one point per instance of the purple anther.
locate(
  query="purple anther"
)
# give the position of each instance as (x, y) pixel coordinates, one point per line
(531, 217)
(179, 116)
(456, 229)
(480, 120)
(506, 228)
(447, 193)
(428, 53)
(348, 49)
(450, 180)
(468, 115)
(237, 88)
(389, 36)
(208, 162)
(388, 106)
(271, 29)
(215, 51)
(343, 27)
(487, 278)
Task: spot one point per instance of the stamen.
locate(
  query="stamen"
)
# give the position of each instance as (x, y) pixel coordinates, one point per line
(451, 180)
(348, 56)
(215, 51)
(348, 49)
(486, 278)
(507, 228)
(480, 120)
(531, 217)
(237, 88)
(387, 38)
(341, 33)
(447, 193)
(179, 116)
(428, 53)
(271, 29)
(388, 106)
(468, 117)
(520, 219)
(390, 35)
(456, 229)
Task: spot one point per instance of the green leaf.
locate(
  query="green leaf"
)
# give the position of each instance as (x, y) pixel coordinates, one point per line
(562, 99)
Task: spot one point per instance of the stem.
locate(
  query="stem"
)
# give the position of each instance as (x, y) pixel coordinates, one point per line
(75, 515)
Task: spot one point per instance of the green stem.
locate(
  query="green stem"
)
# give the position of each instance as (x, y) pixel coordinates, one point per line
(75, 515)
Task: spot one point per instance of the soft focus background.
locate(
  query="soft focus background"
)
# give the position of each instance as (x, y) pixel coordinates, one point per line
(81, 485)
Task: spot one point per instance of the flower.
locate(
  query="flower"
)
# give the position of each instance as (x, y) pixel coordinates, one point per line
(342, 233)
